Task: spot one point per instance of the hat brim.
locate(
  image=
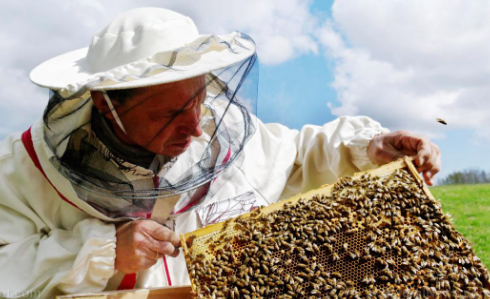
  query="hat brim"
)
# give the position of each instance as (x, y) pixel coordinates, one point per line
(61, 71)
(66, 72)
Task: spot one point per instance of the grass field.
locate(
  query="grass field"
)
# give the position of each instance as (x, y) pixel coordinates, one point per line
(469, 206)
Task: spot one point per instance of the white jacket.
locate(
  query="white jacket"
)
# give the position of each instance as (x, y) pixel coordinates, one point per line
(50, 247)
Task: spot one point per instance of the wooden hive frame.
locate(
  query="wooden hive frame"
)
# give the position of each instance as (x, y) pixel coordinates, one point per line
(214, 233)
(323, 190)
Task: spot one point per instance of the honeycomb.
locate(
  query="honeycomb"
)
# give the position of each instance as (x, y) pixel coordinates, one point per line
(379, 234)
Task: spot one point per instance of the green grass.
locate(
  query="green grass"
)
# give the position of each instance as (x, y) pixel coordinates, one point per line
(469, 206)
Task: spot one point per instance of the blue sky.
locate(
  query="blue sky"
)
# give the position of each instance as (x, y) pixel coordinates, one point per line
(402, 63)
(295, 93)
(306, 79)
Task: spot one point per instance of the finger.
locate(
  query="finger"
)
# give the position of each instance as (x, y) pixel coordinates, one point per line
(432, 160)
(424, 151)
(435, 160)
(430, 174)
(427, 178)
(403, 142)
(162, 233)
(156, 249)
(159, 238)
(169, 249)
(176, 252)
(152, 254)
(164, 247)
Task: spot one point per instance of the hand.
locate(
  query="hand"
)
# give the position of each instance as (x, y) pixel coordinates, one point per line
(388, 147)
(140, 243)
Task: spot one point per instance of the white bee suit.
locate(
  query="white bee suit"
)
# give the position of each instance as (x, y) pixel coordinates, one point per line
(51, 247)
(63, 188)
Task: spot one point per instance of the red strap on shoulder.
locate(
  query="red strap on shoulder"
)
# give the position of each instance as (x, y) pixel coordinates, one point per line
(129, 280)
(29, 146)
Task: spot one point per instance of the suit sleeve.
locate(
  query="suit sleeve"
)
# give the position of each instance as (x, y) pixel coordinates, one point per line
(326, 153)
(37, 257)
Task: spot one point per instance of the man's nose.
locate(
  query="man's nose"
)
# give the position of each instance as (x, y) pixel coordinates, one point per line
(191, 123)
(197, 131)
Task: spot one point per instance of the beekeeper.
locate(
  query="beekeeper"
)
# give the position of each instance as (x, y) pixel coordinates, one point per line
(150, 132)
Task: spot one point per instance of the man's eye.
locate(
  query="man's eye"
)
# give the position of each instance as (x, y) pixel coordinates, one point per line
(158, 116)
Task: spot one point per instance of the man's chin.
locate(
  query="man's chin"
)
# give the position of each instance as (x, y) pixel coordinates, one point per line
(174, 151)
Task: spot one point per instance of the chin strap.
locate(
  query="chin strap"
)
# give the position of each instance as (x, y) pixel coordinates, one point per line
(113, 111)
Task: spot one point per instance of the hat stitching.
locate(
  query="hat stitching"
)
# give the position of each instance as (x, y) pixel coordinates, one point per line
(145, 74)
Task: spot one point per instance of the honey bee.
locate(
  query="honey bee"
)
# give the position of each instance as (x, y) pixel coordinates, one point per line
(440, 120)
(351, 231)
(190, 241)
(353, 254)
(368, 279)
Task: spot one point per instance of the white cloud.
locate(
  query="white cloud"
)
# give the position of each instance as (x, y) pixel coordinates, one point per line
(36, 31)
(281, 28)
(406, 63)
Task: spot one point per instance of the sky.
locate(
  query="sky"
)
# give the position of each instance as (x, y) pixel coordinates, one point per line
(402, 63)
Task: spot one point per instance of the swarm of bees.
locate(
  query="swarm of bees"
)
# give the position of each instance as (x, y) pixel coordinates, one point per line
(373, 237)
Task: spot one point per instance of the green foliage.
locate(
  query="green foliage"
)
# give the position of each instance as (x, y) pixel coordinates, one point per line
(469, 176)
(469, 206)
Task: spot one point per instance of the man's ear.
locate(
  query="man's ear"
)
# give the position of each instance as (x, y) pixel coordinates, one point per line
(101, 104)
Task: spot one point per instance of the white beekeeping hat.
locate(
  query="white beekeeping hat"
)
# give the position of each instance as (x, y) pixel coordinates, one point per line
(142, 47)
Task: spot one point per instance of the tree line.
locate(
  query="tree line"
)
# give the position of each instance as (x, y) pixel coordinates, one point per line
(469, 176)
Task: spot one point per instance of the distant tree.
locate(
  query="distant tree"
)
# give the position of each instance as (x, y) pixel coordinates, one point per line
(469, 176)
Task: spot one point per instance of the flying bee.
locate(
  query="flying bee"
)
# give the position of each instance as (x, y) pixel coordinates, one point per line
(442, 121)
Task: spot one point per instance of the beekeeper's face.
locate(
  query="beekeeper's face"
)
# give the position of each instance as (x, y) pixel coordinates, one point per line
(160, 118)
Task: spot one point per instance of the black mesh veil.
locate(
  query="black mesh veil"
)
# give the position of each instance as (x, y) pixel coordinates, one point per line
(122, 180)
